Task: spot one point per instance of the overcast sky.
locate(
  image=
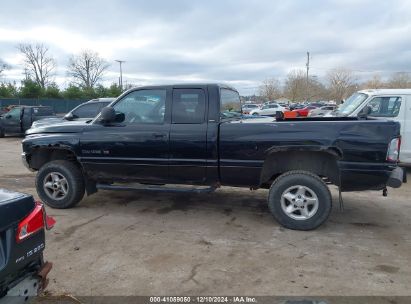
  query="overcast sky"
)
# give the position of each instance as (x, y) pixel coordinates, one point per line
(237, 42)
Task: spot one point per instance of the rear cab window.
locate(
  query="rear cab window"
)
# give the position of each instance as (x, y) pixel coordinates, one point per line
(189, 106)
(230, 103)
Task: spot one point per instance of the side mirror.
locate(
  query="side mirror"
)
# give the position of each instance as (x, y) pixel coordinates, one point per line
(108, 114)
(365, 112)
(69, 116)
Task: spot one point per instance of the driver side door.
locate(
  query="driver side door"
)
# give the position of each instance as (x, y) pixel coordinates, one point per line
(11, 121)
(136, 149)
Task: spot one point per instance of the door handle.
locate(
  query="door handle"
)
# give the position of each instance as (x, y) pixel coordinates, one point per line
(159, 135)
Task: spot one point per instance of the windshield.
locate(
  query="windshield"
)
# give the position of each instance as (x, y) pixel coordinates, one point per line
(351, 104)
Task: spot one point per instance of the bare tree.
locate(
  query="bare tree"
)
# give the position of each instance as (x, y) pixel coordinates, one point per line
(3, 66)
(87, 68)
(400, 80)
(374, 83)
(295, 85)
(341, 83)
(316, 90)
(270, 89)
(38, 63)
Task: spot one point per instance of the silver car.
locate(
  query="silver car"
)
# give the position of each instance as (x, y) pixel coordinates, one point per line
(318, 112)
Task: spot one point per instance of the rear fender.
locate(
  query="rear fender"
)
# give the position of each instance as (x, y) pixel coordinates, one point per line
(320, 160)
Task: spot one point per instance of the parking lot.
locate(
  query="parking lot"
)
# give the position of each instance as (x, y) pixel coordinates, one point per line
(225, 243)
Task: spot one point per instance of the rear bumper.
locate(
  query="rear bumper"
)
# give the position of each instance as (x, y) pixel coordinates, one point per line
(28, 287)
(357, 176)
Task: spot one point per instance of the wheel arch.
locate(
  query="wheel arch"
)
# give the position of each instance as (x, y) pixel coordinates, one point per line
(320, 160)
(43, 154)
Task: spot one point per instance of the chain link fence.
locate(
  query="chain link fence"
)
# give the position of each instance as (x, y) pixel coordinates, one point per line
(59, 105)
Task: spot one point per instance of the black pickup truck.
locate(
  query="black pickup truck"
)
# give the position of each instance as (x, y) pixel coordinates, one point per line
(23, 272)
(20, 118)
(195, 135)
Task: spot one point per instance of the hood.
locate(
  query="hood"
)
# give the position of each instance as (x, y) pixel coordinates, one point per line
(47, 121)
(61, 127)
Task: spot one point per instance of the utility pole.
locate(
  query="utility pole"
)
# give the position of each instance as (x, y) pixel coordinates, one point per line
(121, 73)
(306, 80)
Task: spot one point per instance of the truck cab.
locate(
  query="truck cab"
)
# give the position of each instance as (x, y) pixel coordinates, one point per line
(392, 104)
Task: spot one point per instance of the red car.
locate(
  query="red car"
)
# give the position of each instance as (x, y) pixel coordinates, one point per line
(304, 112)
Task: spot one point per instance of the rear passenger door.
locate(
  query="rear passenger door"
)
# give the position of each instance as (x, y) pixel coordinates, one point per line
(188, 136)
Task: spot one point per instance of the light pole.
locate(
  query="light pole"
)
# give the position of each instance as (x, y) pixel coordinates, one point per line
(121, 73)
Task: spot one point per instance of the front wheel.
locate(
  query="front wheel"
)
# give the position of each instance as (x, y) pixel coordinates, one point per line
(60, 184)
(300, 200)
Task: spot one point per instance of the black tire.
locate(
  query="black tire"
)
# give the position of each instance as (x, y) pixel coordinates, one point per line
(74, 181)
(309, 182)
(2, 133)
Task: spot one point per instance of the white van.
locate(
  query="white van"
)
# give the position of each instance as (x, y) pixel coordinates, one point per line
(392, 104)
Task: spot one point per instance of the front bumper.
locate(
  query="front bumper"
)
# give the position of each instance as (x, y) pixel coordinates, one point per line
(25, 161)
(397, 177)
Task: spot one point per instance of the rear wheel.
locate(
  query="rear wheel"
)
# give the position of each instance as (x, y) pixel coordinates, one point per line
(300, 200)
(60, 184)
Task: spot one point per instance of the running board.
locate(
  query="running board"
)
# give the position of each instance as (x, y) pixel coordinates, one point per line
(156, 188)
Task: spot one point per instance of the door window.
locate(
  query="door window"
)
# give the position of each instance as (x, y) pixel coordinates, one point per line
(385, 106)
(143, 106)
(87, 111)
(188, 106)
(14, 113)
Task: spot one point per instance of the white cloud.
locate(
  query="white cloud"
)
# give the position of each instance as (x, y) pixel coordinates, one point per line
(238, 42)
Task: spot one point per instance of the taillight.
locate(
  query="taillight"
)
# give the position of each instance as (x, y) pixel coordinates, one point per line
(393, 152)
(34, 222)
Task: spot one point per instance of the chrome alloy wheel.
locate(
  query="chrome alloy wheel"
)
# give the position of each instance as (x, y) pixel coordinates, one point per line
(299, 202)
(55, 186)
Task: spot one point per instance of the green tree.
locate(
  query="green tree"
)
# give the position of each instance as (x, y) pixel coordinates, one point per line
(8, 90)
(52, 91)
(30, 89)
(89, 93)
(113, 91)
(73, 92)
(101, 91)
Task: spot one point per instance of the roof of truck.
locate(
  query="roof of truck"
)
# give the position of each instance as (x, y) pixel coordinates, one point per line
(386, 91)
(102, 99)
(188, 85)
